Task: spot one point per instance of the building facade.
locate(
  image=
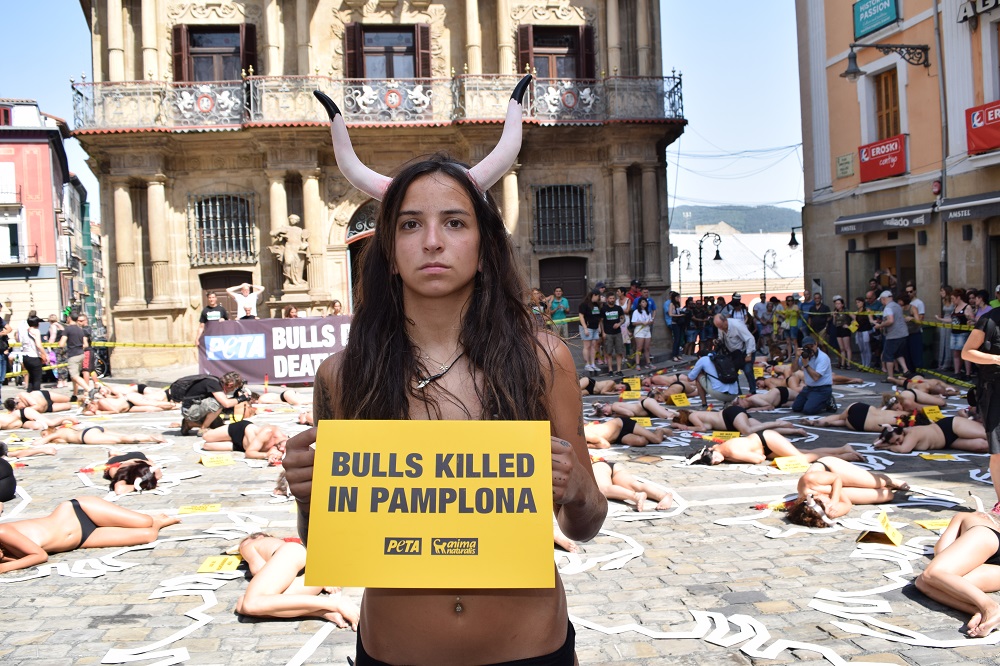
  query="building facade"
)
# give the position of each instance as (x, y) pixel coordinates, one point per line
(216, 166)
(39, 210)
(902, 164)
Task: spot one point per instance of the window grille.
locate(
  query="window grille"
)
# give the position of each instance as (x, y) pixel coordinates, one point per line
(564, 217)
(221, 229)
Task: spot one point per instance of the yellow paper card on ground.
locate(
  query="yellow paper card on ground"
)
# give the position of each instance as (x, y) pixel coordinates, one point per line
(933, 412)
(938, 456)
(200, 508)
(634, 383)
(792, 464)
(680, 400)
(889, 534)
(725, 434)
(631, 395)
(934, 525)
(644, 421)
(431, 504)
(220, 563)
(216, 459)
(758, 372)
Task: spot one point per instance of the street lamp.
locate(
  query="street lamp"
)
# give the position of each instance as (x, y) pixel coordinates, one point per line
(717, 239)
(915, 54)
(680, 274)
(794, 242)
(774, 260)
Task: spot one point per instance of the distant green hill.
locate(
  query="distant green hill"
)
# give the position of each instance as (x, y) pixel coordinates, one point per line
(747, 219)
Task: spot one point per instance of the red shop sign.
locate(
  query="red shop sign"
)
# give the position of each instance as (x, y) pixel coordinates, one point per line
(883, 159)
(982, 127)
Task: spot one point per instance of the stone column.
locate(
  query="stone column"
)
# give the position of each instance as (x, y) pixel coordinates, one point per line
(278, 199)
(643, 45)
(272, 28)
(650, 225)
(511, 203)
(312, 209)
(159, 255)
(619, 217)
(507, 63)
(473, 37)
(150, 66)
(128, 276)
(116, 42)
(614, 39)
(302, 35)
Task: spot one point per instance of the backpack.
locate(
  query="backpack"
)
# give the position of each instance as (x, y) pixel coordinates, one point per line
(178, 390)
(725, 369)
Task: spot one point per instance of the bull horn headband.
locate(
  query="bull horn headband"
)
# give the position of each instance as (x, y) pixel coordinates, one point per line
(484, 175)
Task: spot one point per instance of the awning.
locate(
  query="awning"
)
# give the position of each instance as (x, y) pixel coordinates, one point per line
(975, 207)
(911, 216)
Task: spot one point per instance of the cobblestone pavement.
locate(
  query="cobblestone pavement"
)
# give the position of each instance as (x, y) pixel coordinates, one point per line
(679, 588)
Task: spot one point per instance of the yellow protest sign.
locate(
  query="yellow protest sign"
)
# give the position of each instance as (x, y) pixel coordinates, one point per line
(758, 372)
(220, 563)
(634, 383)
(938, 456)
(644, 421)
(853, 327)
(680, 400)
(792, 464)
(889, 534)
(216, 459)
(933, 412)
(934, 525)
(432, 504)
(631, 395)
(200, 508)
(725, 434)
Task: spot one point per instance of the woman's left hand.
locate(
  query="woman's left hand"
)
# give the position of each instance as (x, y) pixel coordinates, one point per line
(566, 479)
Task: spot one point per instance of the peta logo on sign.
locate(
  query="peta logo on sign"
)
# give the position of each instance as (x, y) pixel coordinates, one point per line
(402, 546)
(442, 546)
(234, 347)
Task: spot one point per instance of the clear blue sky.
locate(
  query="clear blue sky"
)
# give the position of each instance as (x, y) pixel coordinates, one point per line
(738, 58)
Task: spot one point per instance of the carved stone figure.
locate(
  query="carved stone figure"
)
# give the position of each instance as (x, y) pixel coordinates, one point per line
(291, 249)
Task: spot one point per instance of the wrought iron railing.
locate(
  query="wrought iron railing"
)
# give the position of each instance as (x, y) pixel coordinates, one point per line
(563, 218)
(288, 99)
(221, 229)
(20, 254)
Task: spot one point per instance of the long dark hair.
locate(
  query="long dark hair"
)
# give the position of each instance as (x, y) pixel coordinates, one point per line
(140, 470)
(498, 333)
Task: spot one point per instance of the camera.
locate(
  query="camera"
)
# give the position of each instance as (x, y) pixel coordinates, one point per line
(807, 353)
(243, 395)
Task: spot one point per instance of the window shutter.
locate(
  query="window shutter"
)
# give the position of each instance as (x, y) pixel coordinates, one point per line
(354, 51)
(248, 48)
(525, 47)
(180, 53)
(423, 43)
(586, 67)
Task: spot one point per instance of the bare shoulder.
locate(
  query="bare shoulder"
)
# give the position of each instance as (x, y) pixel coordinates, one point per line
(554, 350)
(326, 390)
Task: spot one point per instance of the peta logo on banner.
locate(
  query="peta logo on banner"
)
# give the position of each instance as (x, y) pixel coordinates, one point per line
(235, 347)
(402, 546)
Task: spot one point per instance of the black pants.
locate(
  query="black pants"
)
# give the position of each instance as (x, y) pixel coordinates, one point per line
(740, 363)
(33, 365)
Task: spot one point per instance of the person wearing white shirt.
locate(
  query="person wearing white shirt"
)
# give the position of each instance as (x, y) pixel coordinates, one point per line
(245, 296)
(817, 371)
(740, 343)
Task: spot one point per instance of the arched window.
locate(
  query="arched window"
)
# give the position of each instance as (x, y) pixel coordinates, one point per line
(221, 229)
(563, 218)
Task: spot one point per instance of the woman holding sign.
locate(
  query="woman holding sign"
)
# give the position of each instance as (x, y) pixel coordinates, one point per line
(448, 335)
(966, 569)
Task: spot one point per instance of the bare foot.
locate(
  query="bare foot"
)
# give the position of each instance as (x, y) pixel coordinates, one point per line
(640, 501)
(564, 542)
(981, 626)
(158, 438)
(163, 520)
(848, 453)
(666, 502)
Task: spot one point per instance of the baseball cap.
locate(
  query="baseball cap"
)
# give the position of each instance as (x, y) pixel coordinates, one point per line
(599, 285)
(838, 297)
(997, 290)
(635, 283)
(808, 340)
(737, 297)
(885, 294)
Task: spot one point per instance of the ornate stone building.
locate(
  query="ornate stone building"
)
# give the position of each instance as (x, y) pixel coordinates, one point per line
(205, 137)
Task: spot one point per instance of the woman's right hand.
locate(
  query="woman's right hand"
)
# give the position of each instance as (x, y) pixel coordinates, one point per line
(298, 464)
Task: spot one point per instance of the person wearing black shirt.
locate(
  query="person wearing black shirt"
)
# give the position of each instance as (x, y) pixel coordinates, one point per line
(5, 330)
(76, 340)
(612, 318)
(205, 399)
(590, 328)
(983, 348)
(819, 316)
(214, 312)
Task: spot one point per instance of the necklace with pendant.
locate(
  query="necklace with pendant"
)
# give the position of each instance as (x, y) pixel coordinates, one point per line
(424, 381)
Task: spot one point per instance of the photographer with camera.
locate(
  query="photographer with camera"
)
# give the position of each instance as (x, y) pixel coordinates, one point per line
(817, 394)
(204, 397)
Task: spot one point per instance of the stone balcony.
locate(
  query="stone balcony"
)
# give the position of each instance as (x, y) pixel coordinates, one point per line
(288, 100)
